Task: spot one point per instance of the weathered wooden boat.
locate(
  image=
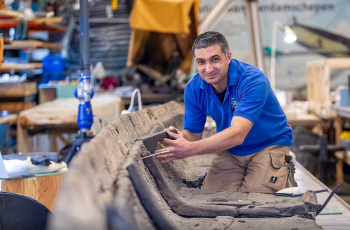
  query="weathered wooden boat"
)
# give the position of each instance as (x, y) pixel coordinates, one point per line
(109, 186)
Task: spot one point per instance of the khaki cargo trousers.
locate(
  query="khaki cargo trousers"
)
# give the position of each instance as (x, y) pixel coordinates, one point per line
(265, 171)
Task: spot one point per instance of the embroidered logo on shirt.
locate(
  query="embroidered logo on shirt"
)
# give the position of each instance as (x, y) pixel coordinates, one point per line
(233, 103)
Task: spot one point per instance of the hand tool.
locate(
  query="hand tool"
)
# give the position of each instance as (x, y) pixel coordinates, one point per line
(328, 199)
(151, 141)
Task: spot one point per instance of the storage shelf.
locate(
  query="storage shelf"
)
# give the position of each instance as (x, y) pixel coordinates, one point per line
(34, 26)
(17, 45)
(30, 66)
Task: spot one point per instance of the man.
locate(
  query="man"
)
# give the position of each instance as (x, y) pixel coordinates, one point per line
(253, 137)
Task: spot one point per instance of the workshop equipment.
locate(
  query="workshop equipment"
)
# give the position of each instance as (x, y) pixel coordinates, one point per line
(84, 92)
(132, 102)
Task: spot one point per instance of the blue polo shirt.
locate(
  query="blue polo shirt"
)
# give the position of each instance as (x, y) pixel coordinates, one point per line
(248, 95)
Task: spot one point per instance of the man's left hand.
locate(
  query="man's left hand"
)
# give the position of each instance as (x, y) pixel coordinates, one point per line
(178, 149)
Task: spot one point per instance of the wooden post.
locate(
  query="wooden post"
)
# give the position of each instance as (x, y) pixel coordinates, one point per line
(339, 166)
(53, 142)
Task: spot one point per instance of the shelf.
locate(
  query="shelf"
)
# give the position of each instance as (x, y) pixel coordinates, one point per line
(342, 111)
(16, 89)
(34, 26)
(17, 45)
(10, 18)
(9, 66)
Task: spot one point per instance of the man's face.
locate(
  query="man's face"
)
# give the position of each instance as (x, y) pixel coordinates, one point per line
(212, 64)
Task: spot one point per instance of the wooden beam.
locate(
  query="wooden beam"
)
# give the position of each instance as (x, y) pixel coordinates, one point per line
(214, 16)
(30, 66)
(338, 63)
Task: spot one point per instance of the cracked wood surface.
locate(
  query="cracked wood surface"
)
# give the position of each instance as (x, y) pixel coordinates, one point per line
(98, 183)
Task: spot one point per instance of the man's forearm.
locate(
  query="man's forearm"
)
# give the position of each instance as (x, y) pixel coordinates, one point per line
(221, 141)
(191, 136)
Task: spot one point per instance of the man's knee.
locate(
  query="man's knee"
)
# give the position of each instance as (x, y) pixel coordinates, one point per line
(224, 174)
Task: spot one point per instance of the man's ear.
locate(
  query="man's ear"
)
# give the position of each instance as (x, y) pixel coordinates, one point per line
(229, 55)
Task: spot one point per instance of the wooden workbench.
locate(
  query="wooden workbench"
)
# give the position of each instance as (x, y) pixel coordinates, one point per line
(60, 116)
(307, 120)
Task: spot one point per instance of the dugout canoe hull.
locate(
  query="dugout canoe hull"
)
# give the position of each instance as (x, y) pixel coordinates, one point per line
(108, 186)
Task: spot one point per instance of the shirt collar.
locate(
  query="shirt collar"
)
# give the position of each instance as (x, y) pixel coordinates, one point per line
(232, 75)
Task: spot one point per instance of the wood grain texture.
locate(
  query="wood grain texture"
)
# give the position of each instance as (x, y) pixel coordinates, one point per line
(90, 184)
(43, 189)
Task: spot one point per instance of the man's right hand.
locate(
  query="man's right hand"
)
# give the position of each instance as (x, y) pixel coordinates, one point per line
(170, 127)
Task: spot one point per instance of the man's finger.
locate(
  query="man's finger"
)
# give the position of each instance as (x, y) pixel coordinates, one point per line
(179, 132)
(170, 127)
(170, 155)
(168, 141)
(162, 150)
(167, 160)
(174, 135)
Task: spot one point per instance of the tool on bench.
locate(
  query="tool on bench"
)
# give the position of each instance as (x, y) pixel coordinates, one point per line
(151, 141)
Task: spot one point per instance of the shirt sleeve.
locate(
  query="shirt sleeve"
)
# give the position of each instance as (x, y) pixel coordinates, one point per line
(252, 98)
(194, 119)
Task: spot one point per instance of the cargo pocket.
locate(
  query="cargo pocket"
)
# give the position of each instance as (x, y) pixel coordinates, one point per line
(276, 174)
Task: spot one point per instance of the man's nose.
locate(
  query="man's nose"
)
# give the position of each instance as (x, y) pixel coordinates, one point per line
(209, 68)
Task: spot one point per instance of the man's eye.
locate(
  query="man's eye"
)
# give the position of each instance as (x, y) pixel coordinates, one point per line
(215, 59)
(200, 62)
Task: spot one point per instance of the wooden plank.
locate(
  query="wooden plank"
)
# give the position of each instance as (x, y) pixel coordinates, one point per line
(9, 119)
(33, 45)
(11, 13)
(5, 66)
(18, 89)
(43, 188)
(16, 107)
(48, 20)
(338, 63)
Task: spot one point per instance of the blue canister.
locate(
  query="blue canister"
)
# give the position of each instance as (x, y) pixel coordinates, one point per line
(344, 97)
